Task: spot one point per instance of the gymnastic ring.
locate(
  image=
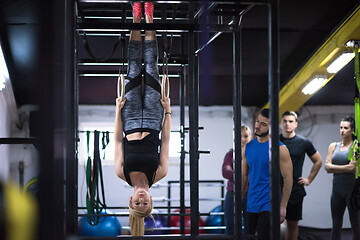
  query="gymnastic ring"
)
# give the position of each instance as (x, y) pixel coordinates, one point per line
(121, 87)
(165, 87)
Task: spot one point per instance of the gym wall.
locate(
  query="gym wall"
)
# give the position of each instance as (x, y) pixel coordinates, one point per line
(319, 124)
(5, 126)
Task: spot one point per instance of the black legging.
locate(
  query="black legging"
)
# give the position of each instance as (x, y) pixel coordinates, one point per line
(260, 223)
(142, 109)
(340, 199)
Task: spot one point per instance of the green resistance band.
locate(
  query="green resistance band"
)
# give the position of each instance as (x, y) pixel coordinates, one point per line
(92, 204)
(355, 146)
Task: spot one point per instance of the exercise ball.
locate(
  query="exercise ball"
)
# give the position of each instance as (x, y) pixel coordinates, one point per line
(152, 224)
(31, 186)
(107, 226)
(215, 221)
(175, 222)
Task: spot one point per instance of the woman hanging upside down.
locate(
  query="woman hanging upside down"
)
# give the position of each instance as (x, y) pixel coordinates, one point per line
(141, 117)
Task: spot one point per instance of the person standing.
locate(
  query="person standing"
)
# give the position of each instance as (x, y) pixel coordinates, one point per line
(343, 180)
(298, 146)
(256, 173)
(228, 173)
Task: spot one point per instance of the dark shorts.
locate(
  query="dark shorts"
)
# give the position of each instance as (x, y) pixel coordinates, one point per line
(294, 210)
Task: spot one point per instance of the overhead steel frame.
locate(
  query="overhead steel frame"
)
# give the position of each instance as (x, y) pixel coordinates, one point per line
(58, 108)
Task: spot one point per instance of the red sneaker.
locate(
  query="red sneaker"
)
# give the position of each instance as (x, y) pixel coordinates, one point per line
(137, 10)
(149, 10)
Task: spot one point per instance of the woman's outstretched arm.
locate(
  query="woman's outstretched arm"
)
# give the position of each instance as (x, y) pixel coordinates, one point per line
(165, 141)
(119, 144)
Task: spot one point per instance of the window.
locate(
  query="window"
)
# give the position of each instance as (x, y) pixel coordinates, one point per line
(175, 144)
(107, 154)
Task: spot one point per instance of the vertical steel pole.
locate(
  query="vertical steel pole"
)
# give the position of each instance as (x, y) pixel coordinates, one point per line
(222, 189)
(54, 112)
(274, 75)
(169, 203)
(237, 132)
(182, 156)
(70, 119)
(193, 128)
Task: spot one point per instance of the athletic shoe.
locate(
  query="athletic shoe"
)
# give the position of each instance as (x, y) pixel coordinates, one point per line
(137, 10)
(149, 9)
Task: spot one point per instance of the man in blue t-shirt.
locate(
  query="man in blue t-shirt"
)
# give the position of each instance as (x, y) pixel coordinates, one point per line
(298, 146)
(256, 173)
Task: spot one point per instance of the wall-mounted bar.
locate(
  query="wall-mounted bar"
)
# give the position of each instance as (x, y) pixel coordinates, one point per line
(19, 141)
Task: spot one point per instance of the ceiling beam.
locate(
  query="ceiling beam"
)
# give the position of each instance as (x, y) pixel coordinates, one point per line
(291, 97)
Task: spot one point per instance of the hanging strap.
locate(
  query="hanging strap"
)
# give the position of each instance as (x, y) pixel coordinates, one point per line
(121, 78)
(122, 40)
(102, 204)
(88, 143)
(86, 43)
(167, 46)
(93, 174)
(98, 174)
(90, 197)
(167, 43)
(166, 55)
(105, 141)
(88, 49)
(122, 54)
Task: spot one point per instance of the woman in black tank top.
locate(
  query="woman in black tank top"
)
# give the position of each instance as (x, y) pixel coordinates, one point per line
(343, 180)
(141, 117)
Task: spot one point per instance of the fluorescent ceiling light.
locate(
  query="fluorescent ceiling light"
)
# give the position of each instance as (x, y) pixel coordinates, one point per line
(4, 74)
(340, 62)
(314, 85)
(350, 43)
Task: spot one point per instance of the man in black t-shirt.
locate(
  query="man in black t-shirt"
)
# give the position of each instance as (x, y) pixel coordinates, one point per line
(297, 146)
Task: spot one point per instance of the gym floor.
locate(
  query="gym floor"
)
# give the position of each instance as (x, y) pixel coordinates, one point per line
(306, 233)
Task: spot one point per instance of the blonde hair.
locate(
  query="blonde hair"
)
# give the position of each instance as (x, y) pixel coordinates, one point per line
(136, 219)
(246, 128)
